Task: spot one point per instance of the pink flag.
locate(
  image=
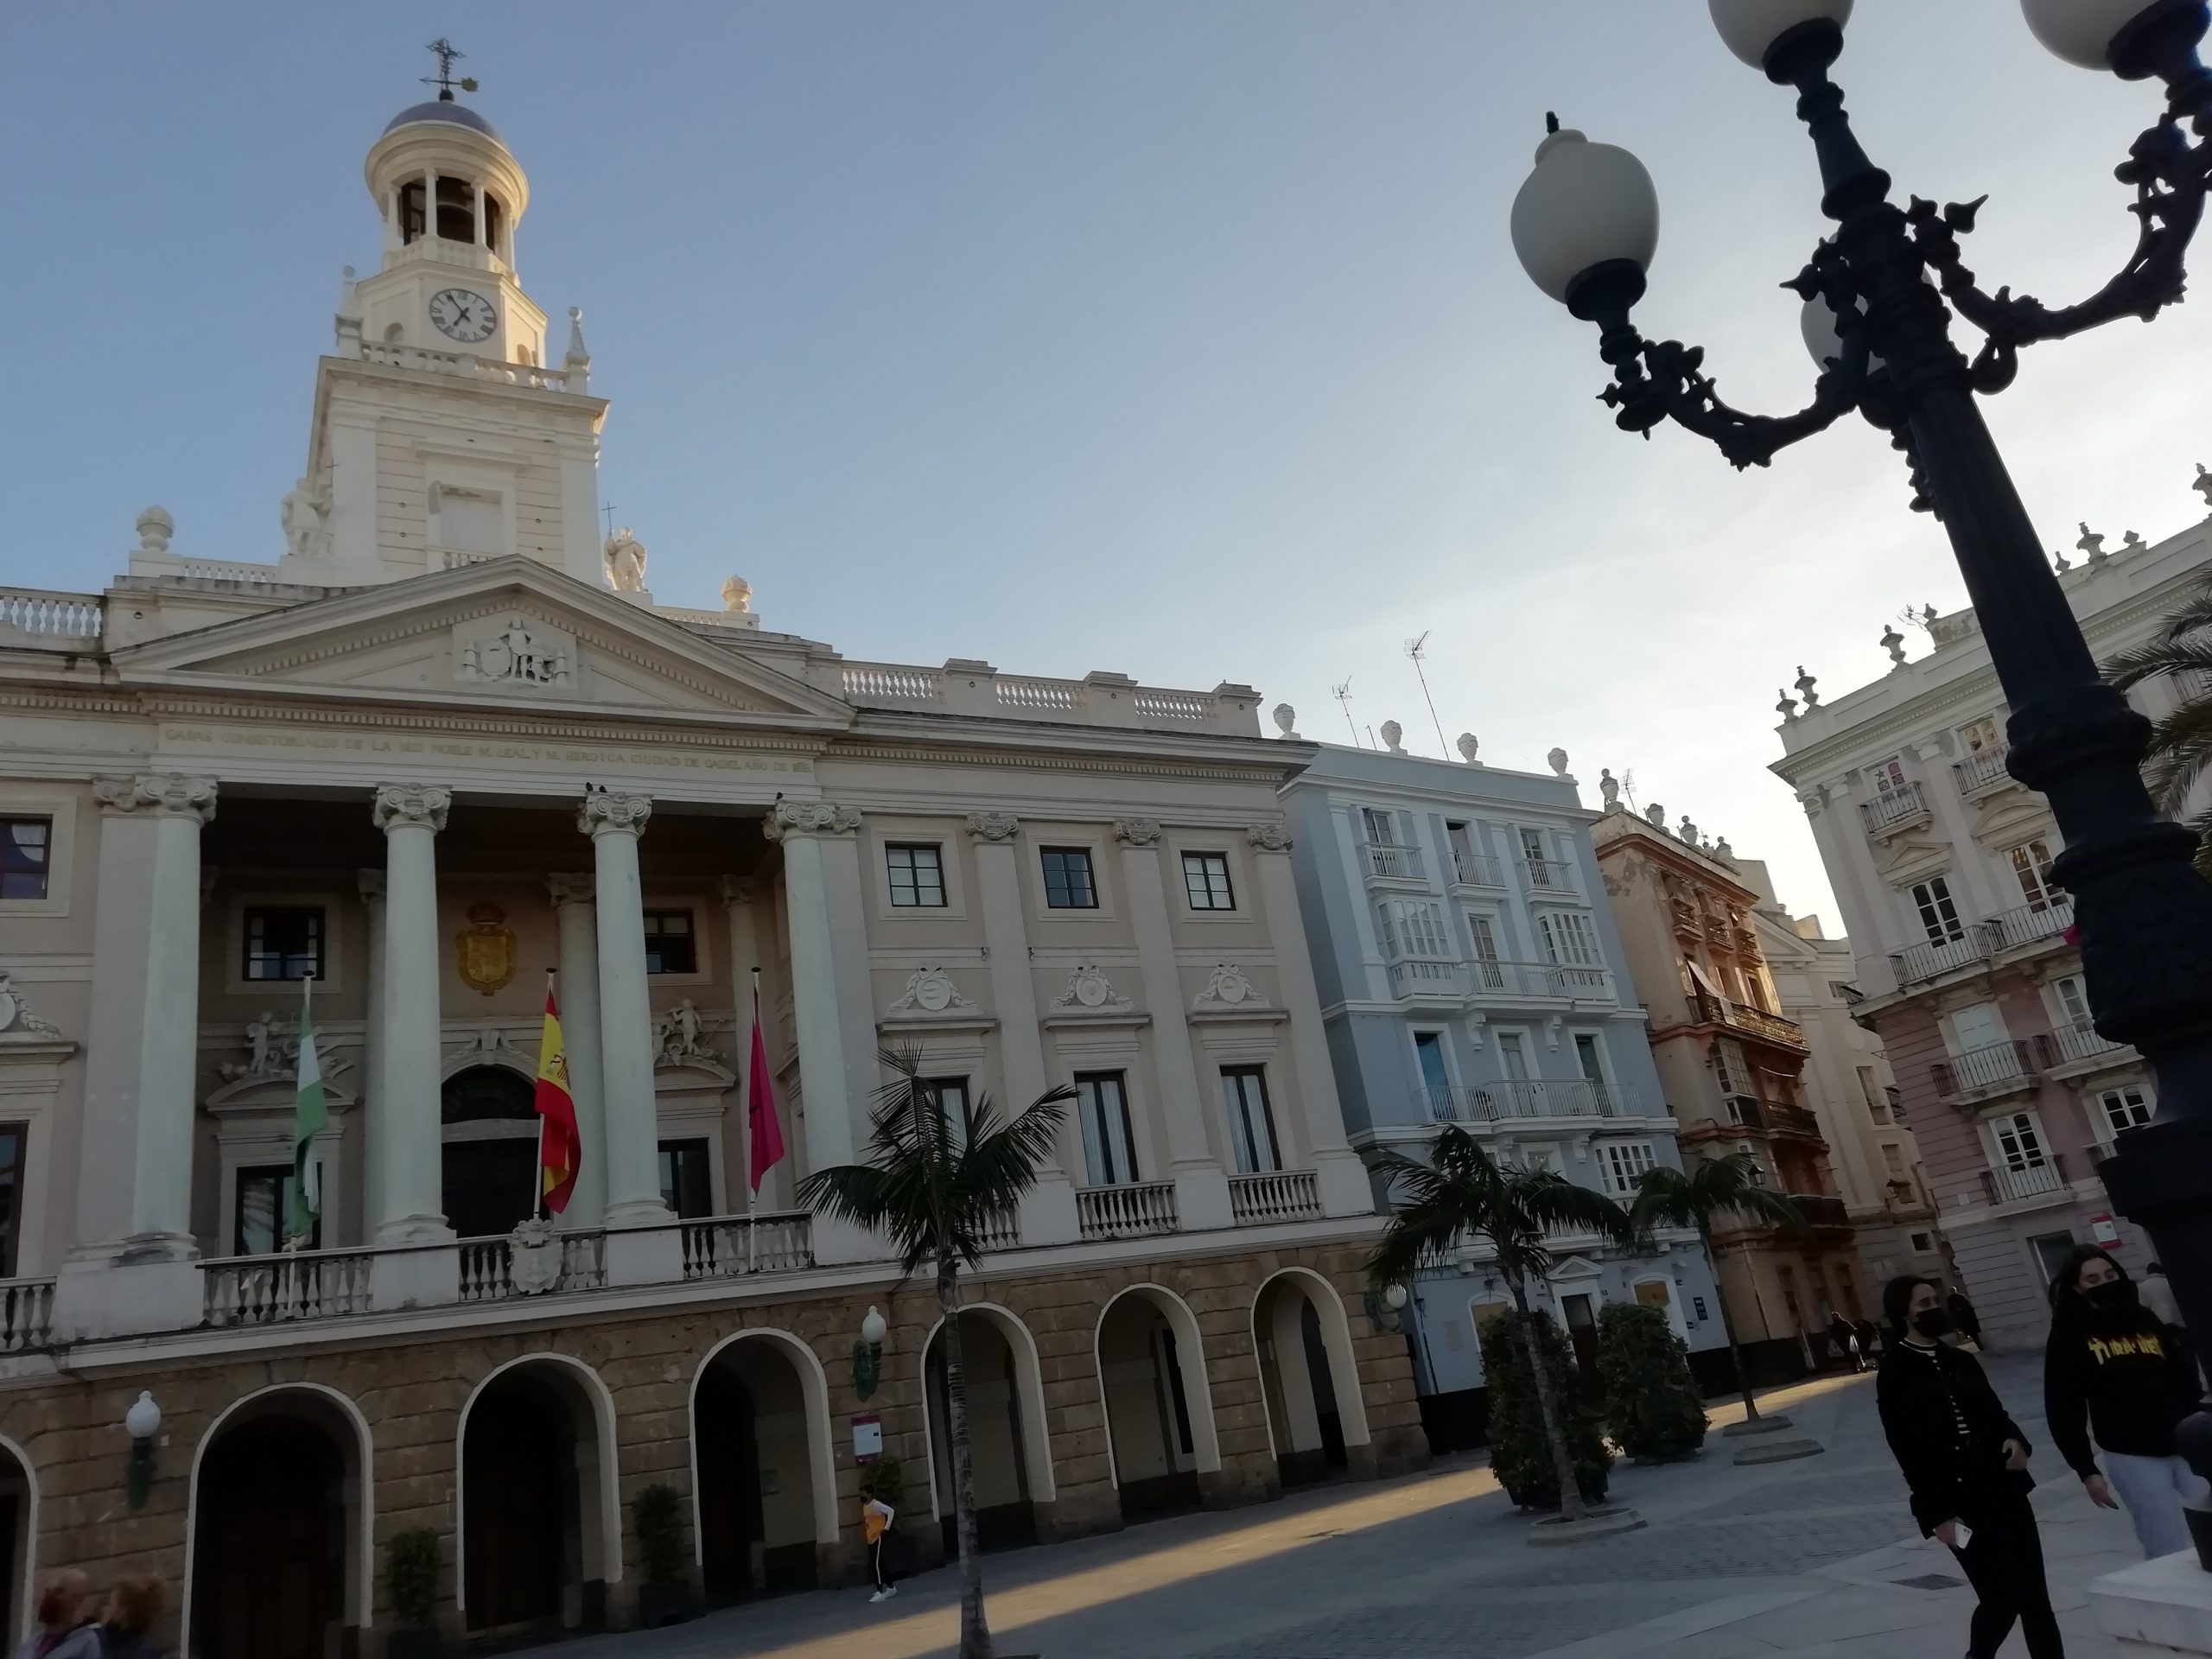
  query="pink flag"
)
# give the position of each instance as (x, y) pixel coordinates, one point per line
(760, 1104)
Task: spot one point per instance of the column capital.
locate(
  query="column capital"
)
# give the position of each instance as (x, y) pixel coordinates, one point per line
(1136, 832)
(370, 884)
(157, 794)
(404, 806)
(1270, 838)
(603, 812)
(736, 889)
(791, 820)
(572, 889)
(994, 826)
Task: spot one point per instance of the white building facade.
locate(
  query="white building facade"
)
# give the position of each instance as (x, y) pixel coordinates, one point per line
(1941, 863)
(447, 743)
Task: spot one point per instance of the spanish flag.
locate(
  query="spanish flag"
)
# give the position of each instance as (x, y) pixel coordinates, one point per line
(560, 1149)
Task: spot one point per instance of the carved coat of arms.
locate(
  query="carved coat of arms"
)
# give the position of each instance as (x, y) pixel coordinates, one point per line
(486, 948)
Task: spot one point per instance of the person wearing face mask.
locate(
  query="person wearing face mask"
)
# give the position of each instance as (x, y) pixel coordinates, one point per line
(1965, 1464)
(2116, 1371)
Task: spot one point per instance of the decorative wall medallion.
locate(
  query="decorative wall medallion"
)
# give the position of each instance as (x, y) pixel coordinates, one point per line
(930, 991)
(17, 1019)
(994, 826)
(1271, 837)
(516, 654)
(1136, 832)
(1091, 992)
(486, 948)
(1229, 987)
(272, 1053)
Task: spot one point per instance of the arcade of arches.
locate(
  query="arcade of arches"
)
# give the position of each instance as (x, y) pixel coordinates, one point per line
(1095, 1398)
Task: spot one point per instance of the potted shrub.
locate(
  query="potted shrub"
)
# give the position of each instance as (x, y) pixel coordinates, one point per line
(1519, 1454)
(1651, 1400)
(410, 1581)
(665, 1597)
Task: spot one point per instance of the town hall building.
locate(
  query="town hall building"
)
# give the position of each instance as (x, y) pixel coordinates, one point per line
(449, 741)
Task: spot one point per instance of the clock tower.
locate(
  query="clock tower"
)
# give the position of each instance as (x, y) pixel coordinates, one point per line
(441, 436)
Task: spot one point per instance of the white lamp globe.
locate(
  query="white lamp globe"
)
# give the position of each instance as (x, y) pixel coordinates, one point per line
(1751, 26)
(1394, 1297)
(872, 1328)
(1585, 205)
(143, 1420)
(2082, 31)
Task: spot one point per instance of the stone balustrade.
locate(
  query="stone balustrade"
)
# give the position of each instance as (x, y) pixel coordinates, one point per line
(1139, 1209)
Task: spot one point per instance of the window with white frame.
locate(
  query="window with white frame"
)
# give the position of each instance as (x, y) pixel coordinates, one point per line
(2019, 1141)
(1570, 938)
(2073, 999)
(1893, 1160)
(952, 1101)
(1589, 1057)
(1532, 854)
(917, 871)
(1412, 927)
(2031, 868)
(1489, 974)
(1980, 736)
(1206, 881)
(1436, 1077)
(1621, 1161)
(1887, 776)
(1110, 1146)
(1939, 917)
(2127, 1107)
(1251, 1121)
(1382, 827)
(1729, 1069)
(1513, 1054)
(1870, 1086)
(26, 856)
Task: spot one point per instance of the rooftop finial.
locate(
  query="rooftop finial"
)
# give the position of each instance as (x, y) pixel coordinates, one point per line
(446, 51)
(1551, 121)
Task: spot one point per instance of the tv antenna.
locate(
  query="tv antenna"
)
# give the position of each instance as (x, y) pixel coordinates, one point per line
(448, 53)
(1628, 788)
(1415, 649)
(1343, 695)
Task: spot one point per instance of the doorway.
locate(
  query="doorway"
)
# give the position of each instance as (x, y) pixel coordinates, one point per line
(269, 1569)
(528, 1537)
(1581, 1312)
(490, 1171)
(756, 1457)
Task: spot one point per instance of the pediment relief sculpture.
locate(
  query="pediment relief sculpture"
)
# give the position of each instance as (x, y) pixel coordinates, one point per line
(516, 651)
(1229, 989)
(678, 1039)
(930, 993)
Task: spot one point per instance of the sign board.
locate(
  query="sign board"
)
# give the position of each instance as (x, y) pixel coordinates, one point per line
(2102, 1229)
(867, 1437)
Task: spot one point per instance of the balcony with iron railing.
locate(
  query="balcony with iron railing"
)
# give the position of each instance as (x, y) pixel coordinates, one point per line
(1933, 958)
(1428, 976)
(1551, 875)
(2032, 923)
(1387, 861)
(1495, 980)
(1983, 772)
(1749, 1021)
(2027, 1181)
(1893, 811)
(2042, 924)
(1820, 1208)
(1472, 869)
(1518, 1098)
(2076, 1042)
(1985, 1073)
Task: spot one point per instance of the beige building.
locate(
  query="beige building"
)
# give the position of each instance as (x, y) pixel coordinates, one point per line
(1847, 1086)
(1734, 1067)
(450, 741)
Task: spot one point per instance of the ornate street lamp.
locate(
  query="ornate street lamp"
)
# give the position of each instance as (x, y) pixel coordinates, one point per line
(1586, 225)
(142, 1423)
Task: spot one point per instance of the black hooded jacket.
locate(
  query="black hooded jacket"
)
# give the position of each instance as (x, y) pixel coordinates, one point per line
(1948, 1428)
(2121, 1373)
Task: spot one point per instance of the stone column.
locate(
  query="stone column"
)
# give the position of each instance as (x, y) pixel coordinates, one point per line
(576, 918)
(625, 1026)
(832, 1001)
(370, 883)
(1341, 1178)
(132, 1269)
(744, 962)
(408, 1153)
(1048, 1209)
(1201, 1186)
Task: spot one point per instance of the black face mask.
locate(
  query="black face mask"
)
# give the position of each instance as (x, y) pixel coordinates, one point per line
(1931, 1323)
(2111, 1297)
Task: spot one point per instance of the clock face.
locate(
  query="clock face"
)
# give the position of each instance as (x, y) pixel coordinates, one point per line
(463, 315)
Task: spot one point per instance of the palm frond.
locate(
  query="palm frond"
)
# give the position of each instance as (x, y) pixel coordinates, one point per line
(1461, 1193)
(2165, 653)
(2179, 750)
(1709, 1188)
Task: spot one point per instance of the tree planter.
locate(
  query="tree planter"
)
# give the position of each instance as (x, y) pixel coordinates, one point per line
(666, 1604)
(414, 1644)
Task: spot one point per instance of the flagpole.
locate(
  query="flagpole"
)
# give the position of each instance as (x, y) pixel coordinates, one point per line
(751, 1105)
(537, 1159)
(292, 1241)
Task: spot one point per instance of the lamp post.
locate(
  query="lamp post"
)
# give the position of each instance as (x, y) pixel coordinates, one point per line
(142, 1423)
(1586, 225)
(867, 1353)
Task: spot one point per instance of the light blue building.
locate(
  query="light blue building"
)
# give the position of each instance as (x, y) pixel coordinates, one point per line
(1470, 971)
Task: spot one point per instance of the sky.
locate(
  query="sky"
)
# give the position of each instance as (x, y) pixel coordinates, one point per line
(1178, 337)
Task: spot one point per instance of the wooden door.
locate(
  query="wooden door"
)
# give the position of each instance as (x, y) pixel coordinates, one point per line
(268, 1579)
(519, 1471)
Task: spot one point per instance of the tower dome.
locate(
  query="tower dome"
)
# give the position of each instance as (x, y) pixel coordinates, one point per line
(446, 110)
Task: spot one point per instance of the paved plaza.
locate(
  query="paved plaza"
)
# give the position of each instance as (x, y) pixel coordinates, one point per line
(1812, 1558)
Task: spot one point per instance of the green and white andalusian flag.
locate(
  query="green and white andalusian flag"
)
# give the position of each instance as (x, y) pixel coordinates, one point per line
(310, 1116)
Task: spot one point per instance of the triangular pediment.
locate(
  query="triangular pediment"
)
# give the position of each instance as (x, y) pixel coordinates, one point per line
(1910, 857)
(506, 634)
(2008, 820)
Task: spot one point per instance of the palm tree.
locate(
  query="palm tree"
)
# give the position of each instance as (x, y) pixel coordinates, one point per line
(1712, 1187)
(1462, 1193)
(934, 1189)
(2181, 742)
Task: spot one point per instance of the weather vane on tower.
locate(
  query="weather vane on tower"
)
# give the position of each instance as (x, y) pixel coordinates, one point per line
(443, 80)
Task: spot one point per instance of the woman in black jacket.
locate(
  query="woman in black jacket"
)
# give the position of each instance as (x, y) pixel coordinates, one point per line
(2116, 1369)
(1966, 1462)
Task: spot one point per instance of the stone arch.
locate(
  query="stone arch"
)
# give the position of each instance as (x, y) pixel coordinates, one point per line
(584, 1395)
(1031, 1428)
(19, 1564)
(820, 1454)
(341, 1422)
(1298, 1318)
(1160, 1419)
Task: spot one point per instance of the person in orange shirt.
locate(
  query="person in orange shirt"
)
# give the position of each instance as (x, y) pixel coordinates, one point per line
(876, 1517)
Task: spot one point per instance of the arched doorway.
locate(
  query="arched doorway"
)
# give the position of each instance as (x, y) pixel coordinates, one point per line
(489, 1164)
(534, 1479)
(1308, 1380)
(276, 1544)
(18, 1527)
(1006, 1429)
(759, 1435)
(1159, 1421)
